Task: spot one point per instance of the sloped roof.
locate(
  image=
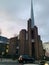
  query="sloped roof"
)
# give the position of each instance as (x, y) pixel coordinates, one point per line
(3, 39)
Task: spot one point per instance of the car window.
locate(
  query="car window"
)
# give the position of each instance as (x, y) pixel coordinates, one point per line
(25, 56)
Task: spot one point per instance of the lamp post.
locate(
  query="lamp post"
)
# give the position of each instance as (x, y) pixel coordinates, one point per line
(2, 55)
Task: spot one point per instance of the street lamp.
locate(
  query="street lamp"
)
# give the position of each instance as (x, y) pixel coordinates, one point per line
(2, 55)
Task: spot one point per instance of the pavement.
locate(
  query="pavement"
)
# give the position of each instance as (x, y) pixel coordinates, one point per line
(8, 60)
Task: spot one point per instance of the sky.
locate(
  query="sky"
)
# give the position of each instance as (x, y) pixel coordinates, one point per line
(15, 13)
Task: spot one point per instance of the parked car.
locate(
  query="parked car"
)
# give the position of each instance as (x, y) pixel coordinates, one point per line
(25, 59)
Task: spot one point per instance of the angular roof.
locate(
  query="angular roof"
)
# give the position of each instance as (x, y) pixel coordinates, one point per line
(3, 39)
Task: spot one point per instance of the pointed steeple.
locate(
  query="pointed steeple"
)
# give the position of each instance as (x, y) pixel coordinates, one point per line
(32, 15)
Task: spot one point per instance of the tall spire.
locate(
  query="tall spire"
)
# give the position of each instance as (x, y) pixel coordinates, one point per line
(32, 15)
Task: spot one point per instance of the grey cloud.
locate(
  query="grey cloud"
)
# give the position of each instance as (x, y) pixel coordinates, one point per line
(19, 11)
(42, 18)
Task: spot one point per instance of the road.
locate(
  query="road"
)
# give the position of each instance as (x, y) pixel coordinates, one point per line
(14, 63)
(11, 62)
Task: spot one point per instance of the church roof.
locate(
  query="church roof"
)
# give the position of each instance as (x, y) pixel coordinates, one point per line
(32, 15)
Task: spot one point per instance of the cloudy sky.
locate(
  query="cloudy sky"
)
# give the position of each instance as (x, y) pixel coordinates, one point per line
(15, 13)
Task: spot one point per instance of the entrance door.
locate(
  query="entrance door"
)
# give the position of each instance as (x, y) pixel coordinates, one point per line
(33, 50)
